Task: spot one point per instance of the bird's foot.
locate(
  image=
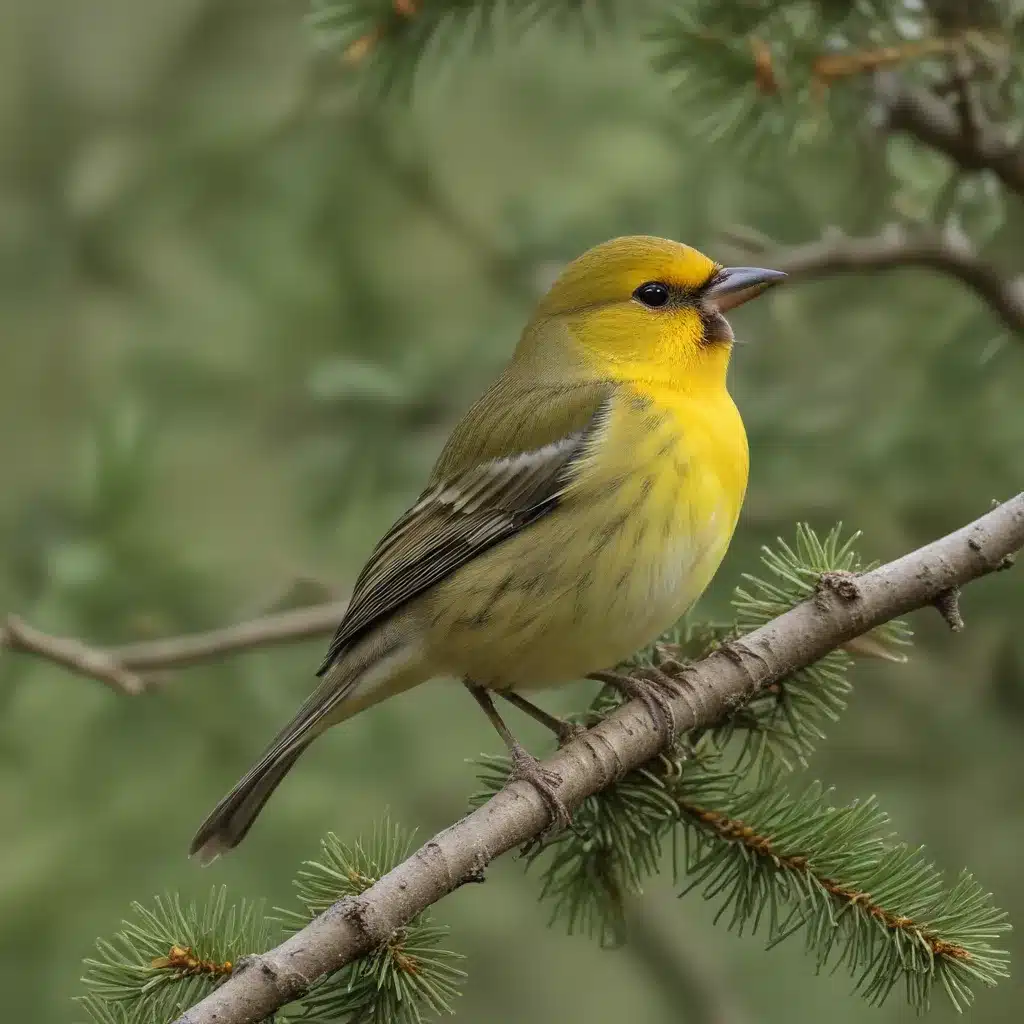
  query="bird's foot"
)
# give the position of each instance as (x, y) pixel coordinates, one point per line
(526, 768)
(653, 689)
(569, 731)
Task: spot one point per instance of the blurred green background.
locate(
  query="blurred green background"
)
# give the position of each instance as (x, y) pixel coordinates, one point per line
(238, 317)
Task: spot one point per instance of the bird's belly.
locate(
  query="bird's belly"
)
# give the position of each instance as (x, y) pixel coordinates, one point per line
(580, 591)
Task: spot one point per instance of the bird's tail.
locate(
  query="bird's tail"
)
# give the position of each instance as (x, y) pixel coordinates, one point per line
(386, 663)
(228, 823)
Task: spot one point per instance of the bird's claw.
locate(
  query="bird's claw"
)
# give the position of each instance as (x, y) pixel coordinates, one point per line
(652, 688)
(569, 731)
(526, 768)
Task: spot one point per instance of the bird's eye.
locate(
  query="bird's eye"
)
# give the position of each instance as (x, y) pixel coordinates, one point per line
(652, 294)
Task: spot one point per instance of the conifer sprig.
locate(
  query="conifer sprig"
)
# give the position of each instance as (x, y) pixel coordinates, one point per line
(761, 71)
(168, 956)
(615, 846)
(787, 864)
(782, 725)
(389, 40)
(406, 980)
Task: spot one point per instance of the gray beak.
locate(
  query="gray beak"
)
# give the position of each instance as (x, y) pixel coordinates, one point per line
(736, 285)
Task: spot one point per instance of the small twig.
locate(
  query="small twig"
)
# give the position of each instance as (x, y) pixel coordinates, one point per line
(828, 67)
(183, 961)
(762, 846)
(948, 605)
(266, 631)
(72, 654)
(681, 968)
(120, 667)
(949, 253)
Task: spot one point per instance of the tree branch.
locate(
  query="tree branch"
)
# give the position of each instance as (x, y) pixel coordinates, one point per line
(975, 146)
(625, 740)
(120, 667)
(100, 665)
(949, 253)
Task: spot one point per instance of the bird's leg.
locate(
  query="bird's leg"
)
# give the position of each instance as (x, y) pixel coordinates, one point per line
(525, 766)
(649, 691)
(565, 731)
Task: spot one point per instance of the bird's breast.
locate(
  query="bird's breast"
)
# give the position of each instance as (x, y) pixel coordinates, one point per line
(635, 539)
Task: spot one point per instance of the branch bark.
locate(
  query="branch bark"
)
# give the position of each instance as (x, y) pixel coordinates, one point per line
(948, 252)
(627, 739)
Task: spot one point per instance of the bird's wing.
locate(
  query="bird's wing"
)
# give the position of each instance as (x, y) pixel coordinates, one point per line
(474, 501)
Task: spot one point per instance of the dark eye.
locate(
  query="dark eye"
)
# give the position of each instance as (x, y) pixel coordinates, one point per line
(652, 294)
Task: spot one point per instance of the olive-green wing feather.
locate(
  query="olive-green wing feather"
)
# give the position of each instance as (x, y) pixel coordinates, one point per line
(475, 498)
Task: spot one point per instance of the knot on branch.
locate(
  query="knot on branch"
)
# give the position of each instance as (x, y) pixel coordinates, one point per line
(948, 606)
(843, 584)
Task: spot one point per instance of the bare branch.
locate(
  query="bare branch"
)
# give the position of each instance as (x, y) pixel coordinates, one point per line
(72, 654)
(626, 739)
(976, 145)
(119, 667)
(267, 631)
(949, 253)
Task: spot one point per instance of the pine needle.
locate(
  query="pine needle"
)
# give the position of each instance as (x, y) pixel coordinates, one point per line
(168, 956)
(408, 979)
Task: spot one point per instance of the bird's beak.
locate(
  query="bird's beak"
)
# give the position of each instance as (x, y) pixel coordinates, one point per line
(736, 285)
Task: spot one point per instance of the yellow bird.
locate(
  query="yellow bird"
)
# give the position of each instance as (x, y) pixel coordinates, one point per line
(578, 510)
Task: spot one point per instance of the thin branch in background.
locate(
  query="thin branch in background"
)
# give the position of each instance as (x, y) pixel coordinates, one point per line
(121, 668)
(980, 146)
(894, 246)
(680, 969)
(416, 181)
(73, 655)
(624, 741)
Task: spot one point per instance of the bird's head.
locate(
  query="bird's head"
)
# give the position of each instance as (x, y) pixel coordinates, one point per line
(646, 308)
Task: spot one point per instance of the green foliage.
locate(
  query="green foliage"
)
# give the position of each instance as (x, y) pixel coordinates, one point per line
(784, 726)
(404, 982)
(756, 71)
(347, 869)
(781, 726)
(770, 860)
(392, 40)
(880, 911)
(137, 977)
(408, 977)
(614, 847)
(169, 956)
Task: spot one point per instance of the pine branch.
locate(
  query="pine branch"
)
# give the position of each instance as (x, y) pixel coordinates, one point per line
(971, 142)
(880, 911)
(782, 725)
(388, 40)
(626, 740)
(404, 977)
(169, 955)
(948, 253)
